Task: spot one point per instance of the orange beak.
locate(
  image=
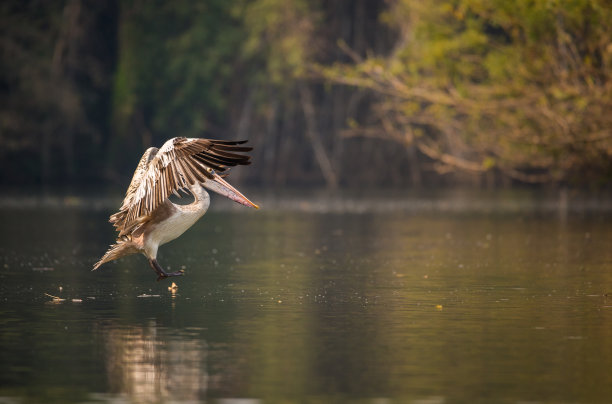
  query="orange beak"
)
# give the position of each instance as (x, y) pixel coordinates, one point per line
(222, 187)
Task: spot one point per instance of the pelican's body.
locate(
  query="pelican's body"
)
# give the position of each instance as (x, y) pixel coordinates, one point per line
(147, 218)
(171, 221)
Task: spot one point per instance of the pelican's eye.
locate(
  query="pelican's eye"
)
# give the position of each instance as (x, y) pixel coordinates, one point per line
(210, 173)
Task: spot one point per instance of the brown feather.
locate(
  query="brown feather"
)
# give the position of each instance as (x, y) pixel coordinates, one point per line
(179, 163)
(121, 248)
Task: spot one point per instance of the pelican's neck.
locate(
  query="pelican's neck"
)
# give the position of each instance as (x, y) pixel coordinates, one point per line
(201, 200)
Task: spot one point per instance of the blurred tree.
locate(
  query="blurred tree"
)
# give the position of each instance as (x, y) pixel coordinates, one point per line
(301, 116)
(178, 62)
(501, 91)
(514, 88)
(54, 90)
(282, 34)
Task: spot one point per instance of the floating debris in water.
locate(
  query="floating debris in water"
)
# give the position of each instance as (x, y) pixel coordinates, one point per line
(439, 307)
(55, 299)
(173, 288)
(146, 295)
(77, 300)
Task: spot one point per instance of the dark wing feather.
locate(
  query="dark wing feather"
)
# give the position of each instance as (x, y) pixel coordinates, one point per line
(179, 163)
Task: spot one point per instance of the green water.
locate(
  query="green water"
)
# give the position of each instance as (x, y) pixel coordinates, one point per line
(290, 307)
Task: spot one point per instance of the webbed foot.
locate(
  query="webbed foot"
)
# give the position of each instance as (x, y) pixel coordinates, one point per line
(169, 274)
(161, 274)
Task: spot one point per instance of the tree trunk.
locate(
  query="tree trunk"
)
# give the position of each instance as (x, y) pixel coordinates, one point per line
(313, 136)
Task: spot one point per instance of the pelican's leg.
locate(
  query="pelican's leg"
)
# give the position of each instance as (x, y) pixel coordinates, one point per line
(161, 274)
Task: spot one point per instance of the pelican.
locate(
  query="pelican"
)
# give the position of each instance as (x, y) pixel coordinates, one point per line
(148, 219)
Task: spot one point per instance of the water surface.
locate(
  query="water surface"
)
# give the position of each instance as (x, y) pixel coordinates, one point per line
(311, 306)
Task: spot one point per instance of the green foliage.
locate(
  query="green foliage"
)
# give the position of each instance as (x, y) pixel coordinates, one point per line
(522, 88)
(182, 64)
(519, 87)
(280, 31)
(176, 65)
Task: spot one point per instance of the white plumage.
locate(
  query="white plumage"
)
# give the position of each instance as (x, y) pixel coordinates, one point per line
(148, 219)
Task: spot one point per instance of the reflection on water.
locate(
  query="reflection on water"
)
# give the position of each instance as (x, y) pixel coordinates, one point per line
(147, 368)
(312, 307)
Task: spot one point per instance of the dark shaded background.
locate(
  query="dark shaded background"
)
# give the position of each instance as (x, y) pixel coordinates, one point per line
(86, 86)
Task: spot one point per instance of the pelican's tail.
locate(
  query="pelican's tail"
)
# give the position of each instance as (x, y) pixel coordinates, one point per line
(121, 248)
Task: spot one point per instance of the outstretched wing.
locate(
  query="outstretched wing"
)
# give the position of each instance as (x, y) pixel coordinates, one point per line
(179, 163)
(139, 174)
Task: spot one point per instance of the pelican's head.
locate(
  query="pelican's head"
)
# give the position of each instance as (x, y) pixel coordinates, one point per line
(216, 183)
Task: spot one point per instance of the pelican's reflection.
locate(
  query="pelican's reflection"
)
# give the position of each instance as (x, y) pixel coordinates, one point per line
(151, 364)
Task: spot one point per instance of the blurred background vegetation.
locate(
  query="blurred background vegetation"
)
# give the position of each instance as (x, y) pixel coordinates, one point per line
(335, 93)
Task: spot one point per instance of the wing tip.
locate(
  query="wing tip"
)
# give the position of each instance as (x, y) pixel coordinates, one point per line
(228, 142)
